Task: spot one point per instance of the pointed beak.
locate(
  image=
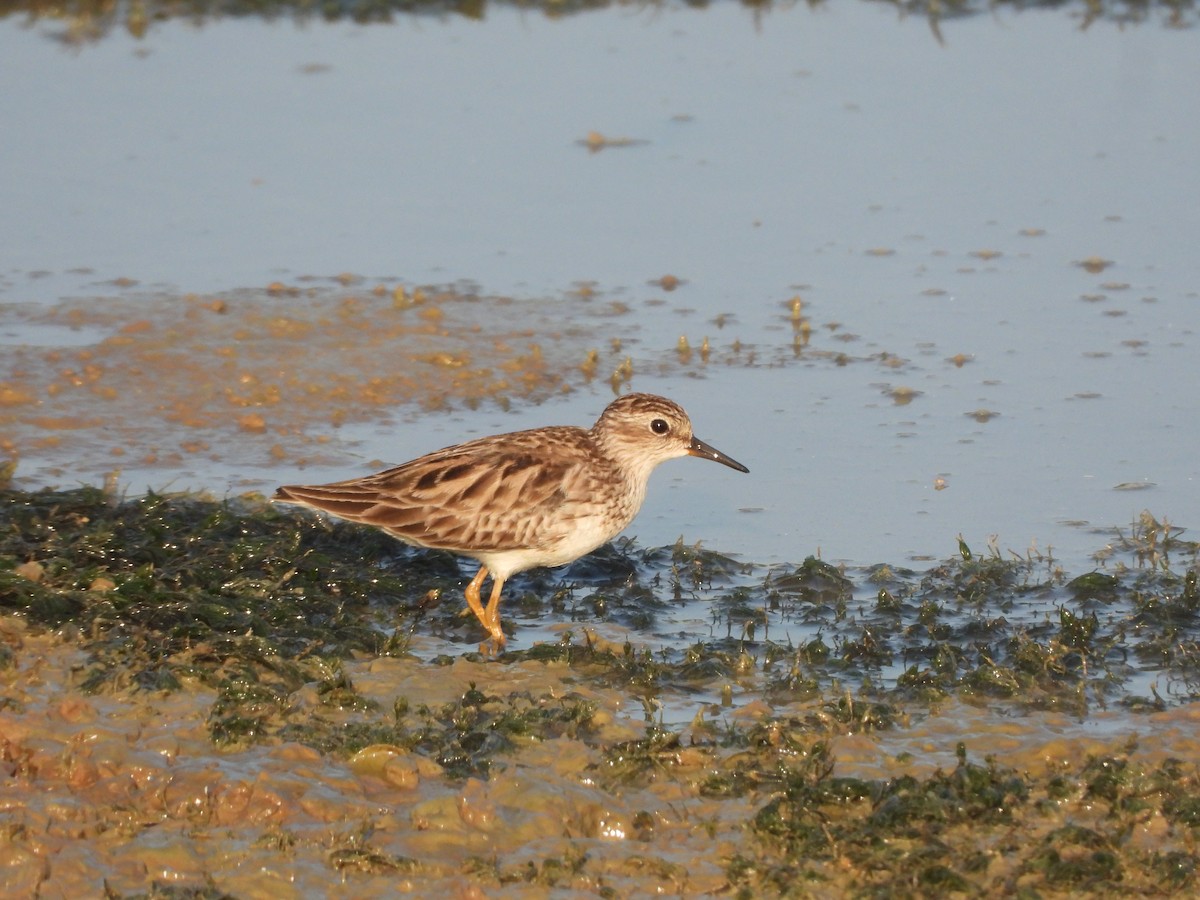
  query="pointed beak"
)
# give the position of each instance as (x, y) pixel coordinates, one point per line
(705, 451)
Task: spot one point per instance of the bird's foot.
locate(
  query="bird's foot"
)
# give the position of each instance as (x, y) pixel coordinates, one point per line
(493, 646)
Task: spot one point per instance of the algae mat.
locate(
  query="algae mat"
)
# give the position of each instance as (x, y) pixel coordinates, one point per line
(215, 699)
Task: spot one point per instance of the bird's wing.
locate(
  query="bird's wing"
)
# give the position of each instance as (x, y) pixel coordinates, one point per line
(486, 496)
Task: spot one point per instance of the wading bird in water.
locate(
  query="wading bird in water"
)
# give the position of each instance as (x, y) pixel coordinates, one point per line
(542, 497)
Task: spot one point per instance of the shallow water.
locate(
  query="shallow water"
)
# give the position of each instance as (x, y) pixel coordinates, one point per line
(932, 199)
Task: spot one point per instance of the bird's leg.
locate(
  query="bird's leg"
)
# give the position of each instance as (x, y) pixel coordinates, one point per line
(492, 623)
(473, 600)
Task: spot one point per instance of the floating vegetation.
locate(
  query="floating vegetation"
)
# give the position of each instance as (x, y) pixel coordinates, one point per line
(141, 387)
(255, 601)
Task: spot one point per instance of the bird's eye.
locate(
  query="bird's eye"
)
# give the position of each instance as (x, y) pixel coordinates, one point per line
(660, 426)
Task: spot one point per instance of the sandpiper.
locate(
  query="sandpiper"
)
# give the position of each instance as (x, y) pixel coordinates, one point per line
(542, 497)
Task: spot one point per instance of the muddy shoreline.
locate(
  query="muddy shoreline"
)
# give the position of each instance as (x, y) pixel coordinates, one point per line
(215, 698)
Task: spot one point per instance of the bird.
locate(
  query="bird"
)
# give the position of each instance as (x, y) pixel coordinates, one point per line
(540, 497)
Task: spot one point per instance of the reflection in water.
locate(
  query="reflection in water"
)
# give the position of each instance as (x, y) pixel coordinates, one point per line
(89, 22)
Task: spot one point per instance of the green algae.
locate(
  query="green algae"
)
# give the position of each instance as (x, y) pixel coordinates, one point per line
(980, 828)
(254, 601)
(265, 612)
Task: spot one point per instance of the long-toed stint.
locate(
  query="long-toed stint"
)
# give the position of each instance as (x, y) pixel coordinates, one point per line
(542, 497)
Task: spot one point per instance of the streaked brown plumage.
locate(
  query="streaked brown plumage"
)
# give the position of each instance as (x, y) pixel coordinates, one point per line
(542, 497)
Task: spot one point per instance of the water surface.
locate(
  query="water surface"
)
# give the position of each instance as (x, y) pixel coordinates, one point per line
(930, 200)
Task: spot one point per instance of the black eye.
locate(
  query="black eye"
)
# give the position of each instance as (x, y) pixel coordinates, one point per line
(660, 426)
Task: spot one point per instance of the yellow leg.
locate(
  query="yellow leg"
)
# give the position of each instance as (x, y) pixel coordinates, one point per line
(489, 618)
(492, 623)
(473, 600)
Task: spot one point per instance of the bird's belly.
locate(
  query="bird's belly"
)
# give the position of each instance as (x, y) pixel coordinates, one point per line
(585, 536)
(583, 539)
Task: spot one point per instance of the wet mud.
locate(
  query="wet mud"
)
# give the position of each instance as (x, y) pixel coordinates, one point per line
(219, 699)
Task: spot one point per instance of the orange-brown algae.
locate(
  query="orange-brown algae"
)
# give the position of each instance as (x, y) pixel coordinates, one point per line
(183, 367)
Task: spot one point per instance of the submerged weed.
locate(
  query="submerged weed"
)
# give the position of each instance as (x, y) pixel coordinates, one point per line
(255, 602)
(264, 607)
(969, 830)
